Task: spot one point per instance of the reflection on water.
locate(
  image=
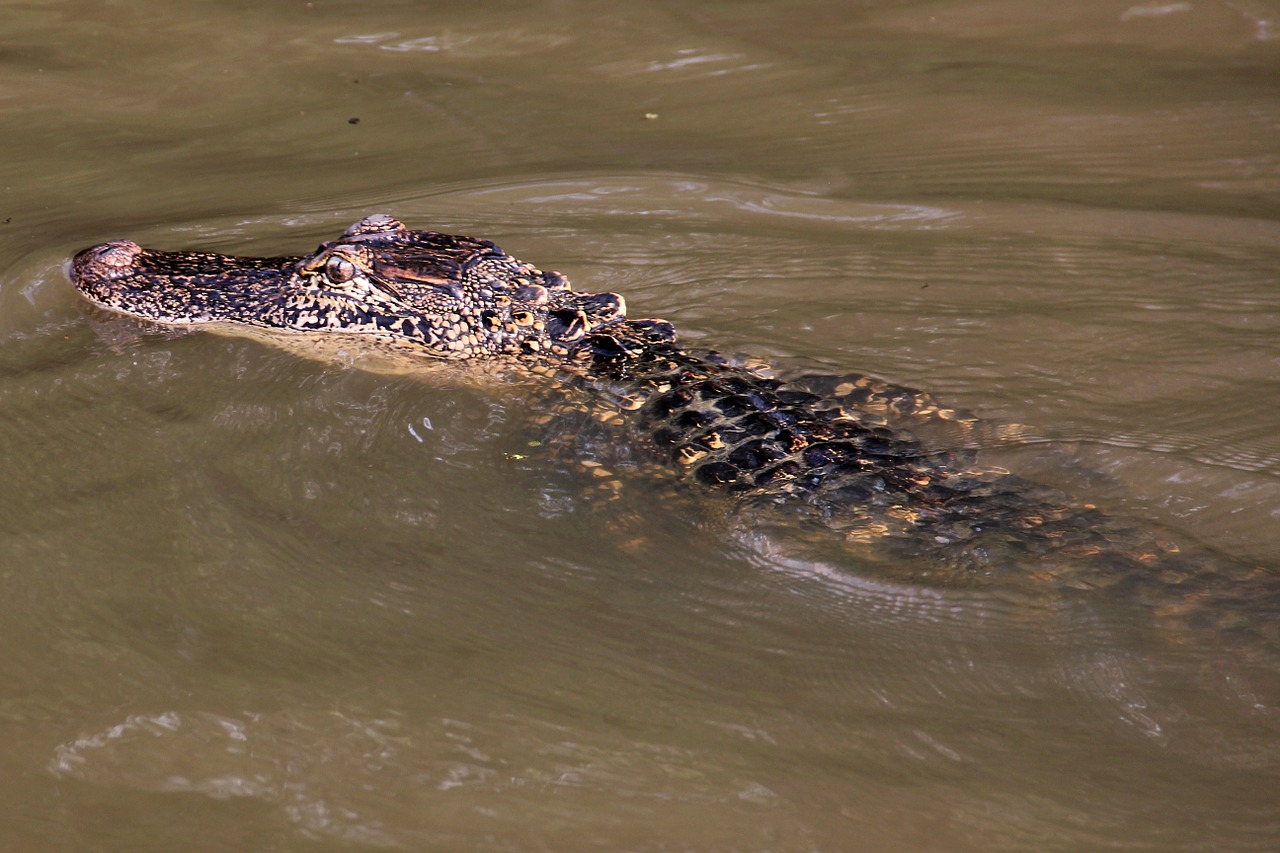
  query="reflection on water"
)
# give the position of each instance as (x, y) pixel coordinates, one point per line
(253, 600)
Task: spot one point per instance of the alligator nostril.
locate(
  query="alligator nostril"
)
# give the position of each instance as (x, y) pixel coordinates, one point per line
(109, 259)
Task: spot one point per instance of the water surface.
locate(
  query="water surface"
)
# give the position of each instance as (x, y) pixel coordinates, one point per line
(255, 601)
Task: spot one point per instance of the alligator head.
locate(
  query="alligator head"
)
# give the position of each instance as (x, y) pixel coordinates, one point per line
(436, 294)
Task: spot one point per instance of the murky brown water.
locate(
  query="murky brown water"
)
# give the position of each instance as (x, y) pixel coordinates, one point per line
(257, 602)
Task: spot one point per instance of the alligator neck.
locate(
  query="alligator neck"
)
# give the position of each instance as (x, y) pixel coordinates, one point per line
(725, 426)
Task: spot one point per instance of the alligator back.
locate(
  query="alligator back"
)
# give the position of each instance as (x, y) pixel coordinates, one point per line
(836, 454)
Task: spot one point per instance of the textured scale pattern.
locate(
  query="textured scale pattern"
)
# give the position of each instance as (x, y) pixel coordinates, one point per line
(839, 451)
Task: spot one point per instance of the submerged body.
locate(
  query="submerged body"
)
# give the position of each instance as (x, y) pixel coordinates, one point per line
(420, 295)
(833, 446)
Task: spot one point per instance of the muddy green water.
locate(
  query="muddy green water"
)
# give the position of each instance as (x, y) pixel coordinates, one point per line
(256, 602)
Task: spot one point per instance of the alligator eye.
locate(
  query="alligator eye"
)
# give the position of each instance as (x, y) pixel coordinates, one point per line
(339, 270)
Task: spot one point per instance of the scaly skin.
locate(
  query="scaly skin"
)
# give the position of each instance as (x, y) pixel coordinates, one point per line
(814, 442)
(433, 295)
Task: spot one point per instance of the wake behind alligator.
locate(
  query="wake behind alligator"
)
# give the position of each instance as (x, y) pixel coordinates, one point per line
(838, 449)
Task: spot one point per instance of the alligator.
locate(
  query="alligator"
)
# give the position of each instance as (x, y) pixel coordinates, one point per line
(840, 448)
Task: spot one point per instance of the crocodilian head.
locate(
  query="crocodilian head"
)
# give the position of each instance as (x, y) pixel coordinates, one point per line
(441, 295)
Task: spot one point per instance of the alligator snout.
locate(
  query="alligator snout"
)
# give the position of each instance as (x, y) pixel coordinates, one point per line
(106, 261)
